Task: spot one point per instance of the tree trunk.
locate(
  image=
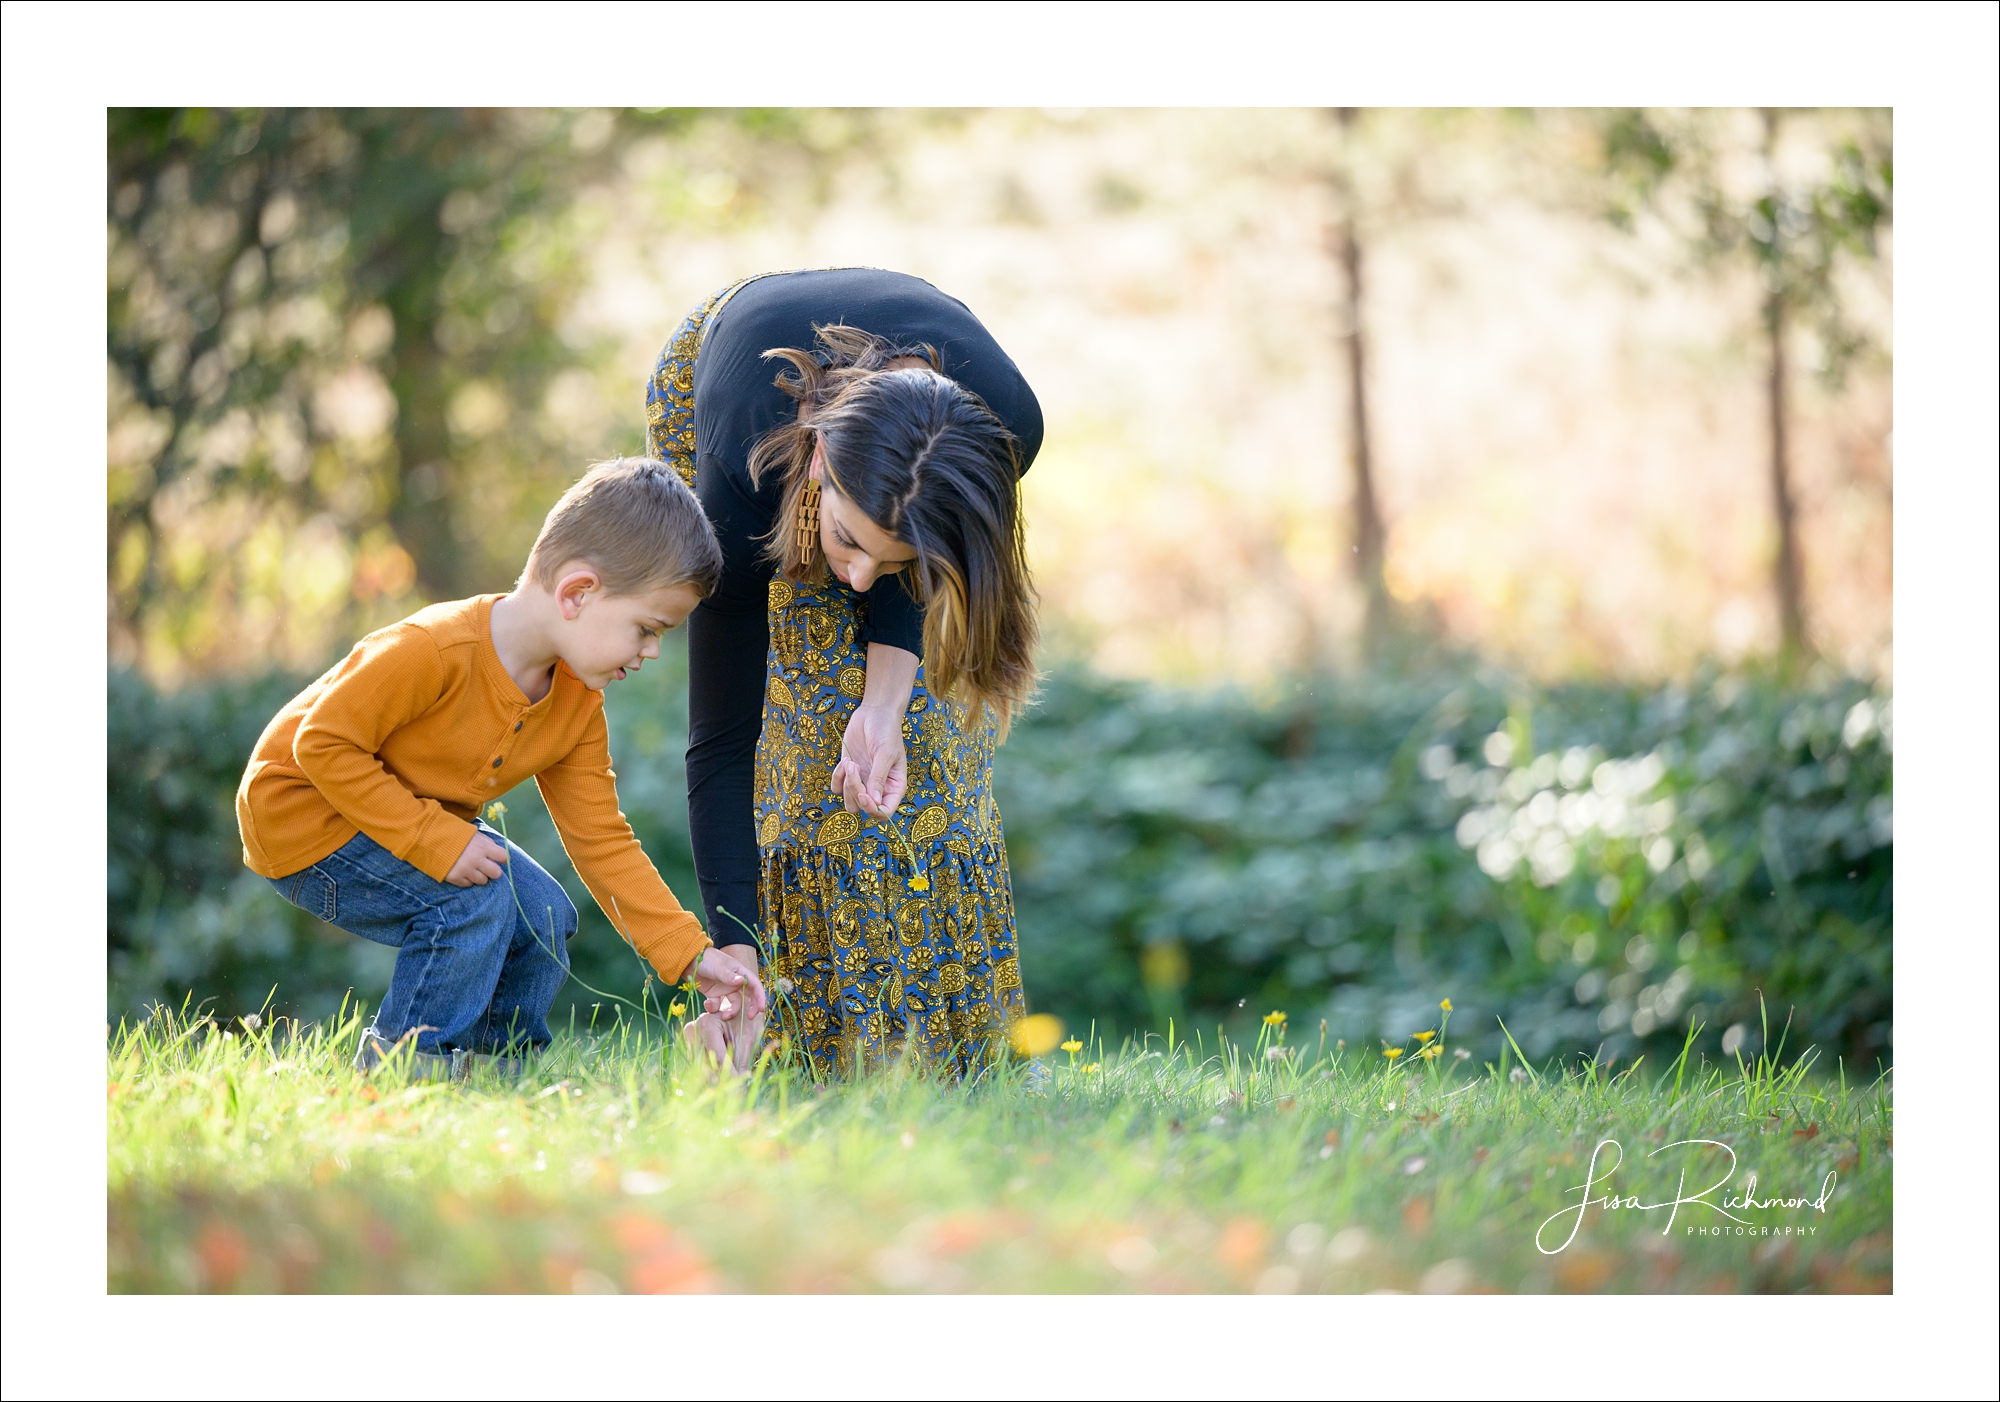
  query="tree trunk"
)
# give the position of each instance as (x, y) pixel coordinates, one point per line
(422, 515)
(1791, 601)
(1366, 525)
(1789, 580)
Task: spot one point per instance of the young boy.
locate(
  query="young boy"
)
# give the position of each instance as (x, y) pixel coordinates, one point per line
(362, 801)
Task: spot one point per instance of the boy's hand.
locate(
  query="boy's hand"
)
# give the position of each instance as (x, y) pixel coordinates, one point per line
(483, 860)
(729, 989)
(733, 1027)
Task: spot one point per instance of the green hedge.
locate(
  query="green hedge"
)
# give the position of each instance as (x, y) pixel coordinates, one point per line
(1339, 854)
(1593, 863)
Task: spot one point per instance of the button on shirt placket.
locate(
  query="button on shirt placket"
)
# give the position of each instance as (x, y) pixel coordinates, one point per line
(493, 780)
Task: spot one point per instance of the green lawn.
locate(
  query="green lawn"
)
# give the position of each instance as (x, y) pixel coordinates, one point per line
(249, 1161)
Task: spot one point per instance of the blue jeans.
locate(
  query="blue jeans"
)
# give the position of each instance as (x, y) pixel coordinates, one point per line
(477, 967)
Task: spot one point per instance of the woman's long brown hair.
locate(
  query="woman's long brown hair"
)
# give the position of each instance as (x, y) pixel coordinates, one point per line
(931, 465)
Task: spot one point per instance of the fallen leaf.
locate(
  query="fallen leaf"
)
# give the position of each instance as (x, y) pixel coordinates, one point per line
(223, 1253)
(1581, 1273)
(1243, 1244)
(958, 1233)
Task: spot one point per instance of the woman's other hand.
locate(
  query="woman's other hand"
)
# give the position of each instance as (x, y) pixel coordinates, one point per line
(873, 772)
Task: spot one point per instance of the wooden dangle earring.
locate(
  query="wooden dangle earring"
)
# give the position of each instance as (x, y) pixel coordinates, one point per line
(808, 521)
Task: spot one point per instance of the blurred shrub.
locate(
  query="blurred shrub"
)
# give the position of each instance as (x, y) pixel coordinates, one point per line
(1595, 864)
(184, 913)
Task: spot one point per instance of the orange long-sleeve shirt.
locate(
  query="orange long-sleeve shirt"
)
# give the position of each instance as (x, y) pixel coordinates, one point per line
(419, 727)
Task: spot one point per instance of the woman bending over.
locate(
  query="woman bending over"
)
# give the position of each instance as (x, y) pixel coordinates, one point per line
(857, 439)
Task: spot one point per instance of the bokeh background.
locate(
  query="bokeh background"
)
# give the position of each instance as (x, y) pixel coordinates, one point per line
(1464, 537)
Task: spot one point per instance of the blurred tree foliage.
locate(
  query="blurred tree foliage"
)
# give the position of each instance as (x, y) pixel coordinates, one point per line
(344, 376)
(1595, 864)
(1800, 214)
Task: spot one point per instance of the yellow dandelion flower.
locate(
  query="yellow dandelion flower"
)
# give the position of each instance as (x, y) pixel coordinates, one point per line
(1446, 1005)
(676, 1008)
(1072, 1046)
(920, 882)
(1090, 1068)
(1425, 1036)
(496, 811)
(1392, 1052)
(1430, 1052)
(1274, 1019)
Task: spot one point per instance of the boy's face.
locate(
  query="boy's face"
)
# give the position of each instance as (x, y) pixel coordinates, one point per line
(605, 636)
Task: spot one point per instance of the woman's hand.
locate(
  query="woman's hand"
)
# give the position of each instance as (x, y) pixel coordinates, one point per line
(873, 773)
(731, 1043)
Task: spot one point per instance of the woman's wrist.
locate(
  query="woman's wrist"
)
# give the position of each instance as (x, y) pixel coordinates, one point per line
(892, 678)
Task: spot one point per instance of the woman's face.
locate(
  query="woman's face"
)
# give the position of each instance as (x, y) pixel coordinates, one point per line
(858, 551)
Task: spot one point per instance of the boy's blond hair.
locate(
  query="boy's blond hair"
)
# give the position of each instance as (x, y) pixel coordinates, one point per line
(637, 524)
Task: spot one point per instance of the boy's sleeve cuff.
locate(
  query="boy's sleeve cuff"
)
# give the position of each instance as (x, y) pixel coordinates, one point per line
(439, 844)
(673, 951)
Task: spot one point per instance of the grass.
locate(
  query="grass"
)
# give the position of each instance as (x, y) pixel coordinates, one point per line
(254, 1160)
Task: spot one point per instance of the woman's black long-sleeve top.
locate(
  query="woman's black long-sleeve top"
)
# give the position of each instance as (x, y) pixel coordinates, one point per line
(736, 403)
